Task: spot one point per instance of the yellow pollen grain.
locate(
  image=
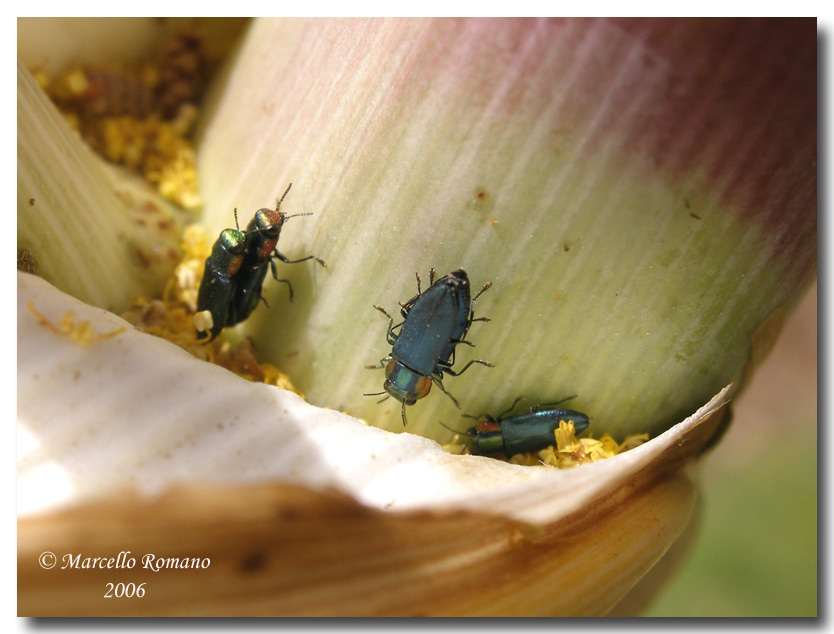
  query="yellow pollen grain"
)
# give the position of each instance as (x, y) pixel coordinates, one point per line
(82, 333)
(567, 450)
(172, 317)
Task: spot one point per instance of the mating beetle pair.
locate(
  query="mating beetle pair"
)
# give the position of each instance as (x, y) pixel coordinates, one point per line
(235, 271)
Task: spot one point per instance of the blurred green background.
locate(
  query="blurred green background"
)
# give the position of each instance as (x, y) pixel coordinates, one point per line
(754, 547)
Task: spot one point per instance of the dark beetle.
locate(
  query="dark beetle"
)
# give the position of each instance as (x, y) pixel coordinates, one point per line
(523, 433)
(220, 278)
(262, 235)
(433, 323)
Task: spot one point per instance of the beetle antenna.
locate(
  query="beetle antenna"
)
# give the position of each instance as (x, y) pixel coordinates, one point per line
(568, 398)
(278, 206)
(459, 433)
(309, 213)
(511, 408)
(405, 422)
(237, 226)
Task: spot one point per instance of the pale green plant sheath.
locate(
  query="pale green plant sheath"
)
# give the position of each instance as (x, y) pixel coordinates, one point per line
(635, 232)
(88, 227)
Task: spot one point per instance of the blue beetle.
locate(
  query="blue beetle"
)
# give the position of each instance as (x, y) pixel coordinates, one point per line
(522, 433)
(423, 350)
(262, 235)
(220, 279)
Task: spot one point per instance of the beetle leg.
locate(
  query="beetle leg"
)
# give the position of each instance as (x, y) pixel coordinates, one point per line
(289, 286)
(390, 336)
(384, 312)
(381, 365)
(479, 293)
(274, 270)
(439, 384)
(404, 308)
(284, 259)
(488, 364)
(472, 304)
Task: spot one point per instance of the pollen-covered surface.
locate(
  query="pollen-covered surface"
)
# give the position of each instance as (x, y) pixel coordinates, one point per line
(134, 412)
(140, 117)
(567, 450)
(81, 333)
